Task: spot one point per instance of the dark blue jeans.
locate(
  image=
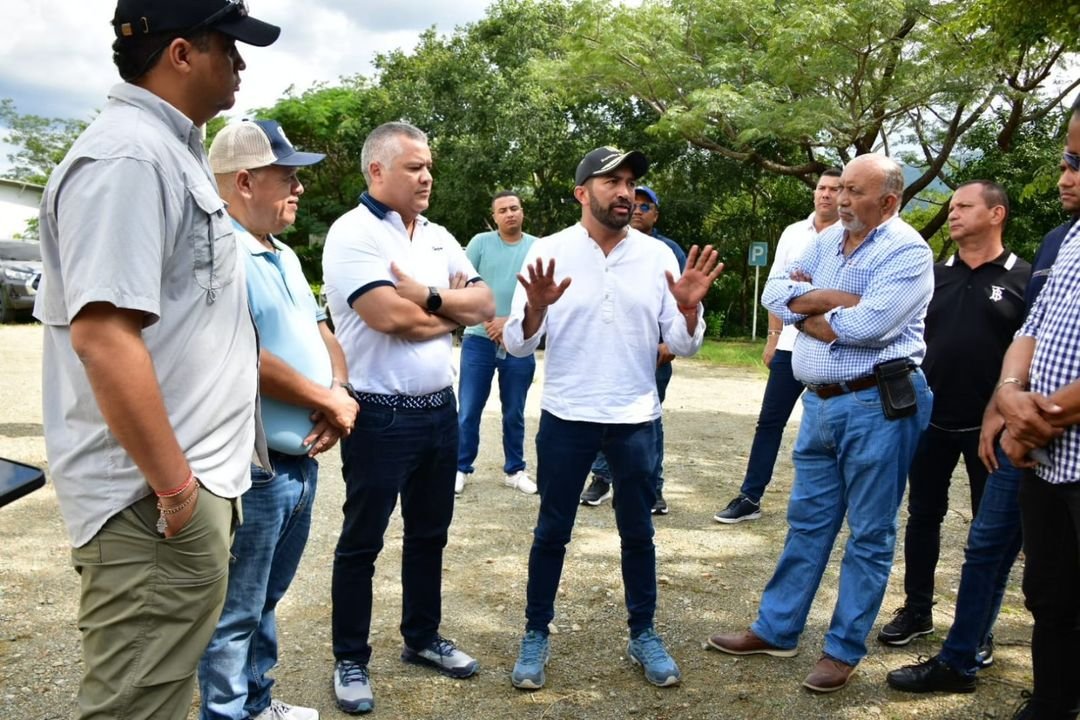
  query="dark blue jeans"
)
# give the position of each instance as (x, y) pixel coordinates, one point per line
(1051, 520)
(564, 452)
(992, 545)
(479, 362)
(782, 391)
(411, 453)
(928, 501)
(600, 466)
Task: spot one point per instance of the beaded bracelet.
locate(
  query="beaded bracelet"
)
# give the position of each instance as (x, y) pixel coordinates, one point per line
(162, 522)
(178, 489)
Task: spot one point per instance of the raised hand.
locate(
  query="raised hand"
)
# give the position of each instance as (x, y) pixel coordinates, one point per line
(540, 288)
(702, 269)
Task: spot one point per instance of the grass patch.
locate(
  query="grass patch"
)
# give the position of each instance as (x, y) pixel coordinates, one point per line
(743, 353)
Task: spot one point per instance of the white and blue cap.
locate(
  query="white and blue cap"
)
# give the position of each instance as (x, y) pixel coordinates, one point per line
(254, 144)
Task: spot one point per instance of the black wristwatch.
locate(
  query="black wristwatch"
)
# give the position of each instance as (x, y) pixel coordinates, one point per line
(434, 300)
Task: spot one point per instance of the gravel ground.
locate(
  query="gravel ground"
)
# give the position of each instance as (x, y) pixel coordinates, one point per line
(711, 578)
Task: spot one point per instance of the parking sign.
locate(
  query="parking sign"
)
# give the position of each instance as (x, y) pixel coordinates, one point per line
(759, 254)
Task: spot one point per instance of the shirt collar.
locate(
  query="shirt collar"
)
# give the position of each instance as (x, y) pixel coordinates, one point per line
(380, 209)
(870, 236)
(176, 122)
(251, 243)
(1006, 260)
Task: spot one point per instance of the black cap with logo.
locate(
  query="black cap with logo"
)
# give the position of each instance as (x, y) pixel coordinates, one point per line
(134, 18)
(604, 160)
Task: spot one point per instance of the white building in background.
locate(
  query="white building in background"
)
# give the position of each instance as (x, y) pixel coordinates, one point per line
(19, 203)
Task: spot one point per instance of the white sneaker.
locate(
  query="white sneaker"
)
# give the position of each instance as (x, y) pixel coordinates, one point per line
(520, 481)
(283, 711)
(459, 482)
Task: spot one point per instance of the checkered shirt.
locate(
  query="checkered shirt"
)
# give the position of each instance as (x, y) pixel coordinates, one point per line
(1054, 322)
(892, 272)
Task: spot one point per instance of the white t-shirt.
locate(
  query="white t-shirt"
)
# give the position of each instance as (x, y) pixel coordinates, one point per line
(793, 243)
(360, 246)
(600, 361)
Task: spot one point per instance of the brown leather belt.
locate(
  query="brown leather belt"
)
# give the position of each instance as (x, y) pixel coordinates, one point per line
(835, 389)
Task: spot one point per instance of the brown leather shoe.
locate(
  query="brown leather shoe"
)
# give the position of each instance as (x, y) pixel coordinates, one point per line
(829, 675)
(747, 643)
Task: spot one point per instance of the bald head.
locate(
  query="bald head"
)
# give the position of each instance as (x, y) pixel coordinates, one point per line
(871, 188)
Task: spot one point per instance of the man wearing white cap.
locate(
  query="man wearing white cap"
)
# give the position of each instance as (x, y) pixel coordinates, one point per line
(306, 407)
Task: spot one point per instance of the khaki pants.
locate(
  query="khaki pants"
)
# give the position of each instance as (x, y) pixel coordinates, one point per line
(148, 608)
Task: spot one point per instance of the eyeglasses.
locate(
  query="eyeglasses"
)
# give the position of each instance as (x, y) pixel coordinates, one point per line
(644, 207)
(1071, 160)
(238, 6)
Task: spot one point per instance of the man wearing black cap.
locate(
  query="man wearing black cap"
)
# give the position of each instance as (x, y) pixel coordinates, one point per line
(603, 295)
(150, 368)
(646, 213)
(302, 376)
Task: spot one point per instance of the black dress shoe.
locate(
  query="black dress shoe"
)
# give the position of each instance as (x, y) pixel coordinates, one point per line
(930, 675)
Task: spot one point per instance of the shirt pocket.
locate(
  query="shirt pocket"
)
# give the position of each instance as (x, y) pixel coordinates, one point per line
(213, 246)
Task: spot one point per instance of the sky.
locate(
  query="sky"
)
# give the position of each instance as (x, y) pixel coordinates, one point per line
(55, 59)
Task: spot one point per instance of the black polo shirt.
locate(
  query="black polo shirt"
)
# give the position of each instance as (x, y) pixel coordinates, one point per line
(971, 320)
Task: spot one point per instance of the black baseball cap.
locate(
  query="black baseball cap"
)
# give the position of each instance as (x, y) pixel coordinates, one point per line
(134, 18)
(604, 160)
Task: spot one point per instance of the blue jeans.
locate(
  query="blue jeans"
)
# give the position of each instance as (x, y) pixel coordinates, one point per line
(849, 460)
(564, 451)
(266, 552)
(391, 452)
(992, 545)
(600, 467)
(932, 467)
(782, 391)
(479, 361)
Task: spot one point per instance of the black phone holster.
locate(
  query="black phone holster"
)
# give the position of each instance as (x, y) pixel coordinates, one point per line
(897, 391)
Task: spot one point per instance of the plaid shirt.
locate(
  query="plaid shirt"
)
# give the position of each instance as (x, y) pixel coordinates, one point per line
(1053, 322)
(892, 272)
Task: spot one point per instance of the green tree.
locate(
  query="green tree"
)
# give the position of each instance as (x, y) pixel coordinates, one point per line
(41, 142)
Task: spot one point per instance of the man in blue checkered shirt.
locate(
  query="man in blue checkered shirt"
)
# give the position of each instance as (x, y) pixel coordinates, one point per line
(1039, 397)
(859, 297)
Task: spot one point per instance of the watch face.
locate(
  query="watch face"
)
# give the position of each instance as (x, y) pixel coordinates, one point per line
(434, 300)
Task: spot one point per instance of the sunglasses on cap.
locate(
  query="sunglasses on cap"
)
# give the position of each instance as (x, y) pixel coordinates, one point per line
(1071, 160)
(644, 207)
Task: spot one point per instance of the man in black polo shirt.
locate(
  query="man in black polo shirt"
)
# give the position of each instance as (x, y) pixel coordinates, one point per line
(978, 305)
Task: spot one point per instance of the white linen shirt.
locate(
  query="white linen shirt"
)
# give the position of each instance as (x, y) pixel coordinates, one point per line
(600, 361)
(793, 243)
(360, 246)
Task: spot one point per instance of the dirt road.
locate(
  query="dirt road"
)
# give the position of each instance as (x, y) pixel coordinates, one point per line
(711, 578)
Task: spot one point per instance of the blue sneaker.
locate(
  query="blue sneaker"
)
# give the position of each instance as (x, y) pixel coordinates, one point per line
(528, 671)
(352, 686)
(647, 650)
(444, 656)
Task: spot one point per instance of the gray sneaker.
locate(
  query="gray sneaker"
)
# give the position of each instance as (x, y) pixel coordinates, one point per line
(528, 673)
(739, 509)
(352, 686)
(444, 656)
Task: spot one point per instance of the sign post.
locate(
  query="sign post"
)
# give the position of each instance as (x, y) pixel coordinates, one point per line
(757, 259)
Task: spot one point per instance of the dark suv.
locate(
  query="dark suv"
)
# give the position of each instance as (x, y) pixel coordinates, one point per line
(20, 274)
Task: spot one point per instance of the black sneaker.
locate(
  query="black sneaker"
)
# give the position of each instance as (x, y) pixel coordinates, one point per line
(598, 491)
(1025, 710)
(739, 509)
(984, 656)
(906, 625)
(930, 675)
(660, 506)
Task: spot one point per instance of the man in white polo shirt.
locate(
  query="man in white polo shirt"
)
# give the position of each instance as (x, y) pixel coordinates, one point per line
(397, 285)
(305, 409)
(603, 293)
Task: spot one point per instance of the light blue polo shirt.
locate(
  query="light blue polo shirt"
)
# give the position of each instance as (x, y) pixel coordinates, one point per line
(498, 263)
(288, 319)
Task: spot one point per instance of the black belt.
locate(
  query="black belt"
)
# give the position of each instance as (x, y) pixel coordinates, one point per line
(409, 402)
(834, 389)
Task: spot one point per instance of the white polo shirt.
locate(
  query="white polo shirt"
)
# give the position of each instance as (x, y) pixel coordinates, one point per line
(360, 247)
(793, 243)
(600, 361)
